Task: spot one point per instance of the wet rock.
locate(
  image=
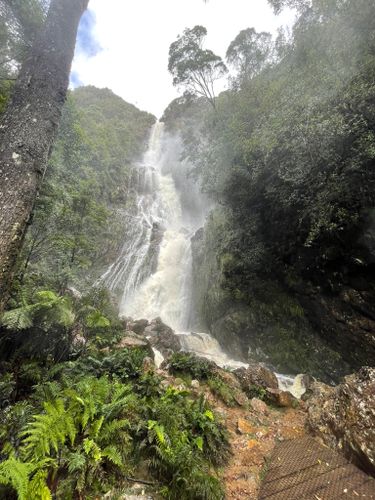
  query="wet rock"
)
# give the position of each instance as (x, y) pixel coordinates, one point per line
(284, 399)
(228, 378)
(131, 340)
(162, 337)
(317, 389)
(240, 398)
(137, 326)
(259, 406)
(73, 292)
(78, 339)
(256, 375)
(344, 416)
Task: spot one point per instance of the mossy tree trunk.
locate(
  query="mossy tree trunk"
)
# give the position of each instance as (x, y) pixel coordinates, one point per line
(29, 125)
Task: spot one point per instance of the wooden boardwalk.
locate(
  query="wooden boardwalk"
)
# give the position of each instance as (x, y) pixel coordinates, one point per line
(303, 469)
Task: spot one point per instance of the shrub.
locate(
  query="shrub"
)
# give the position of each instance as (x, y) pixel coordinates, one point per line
(189, 364)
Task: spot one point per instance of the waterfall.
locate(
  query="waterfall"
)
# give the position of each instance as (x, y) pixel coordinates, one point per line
(154, 267)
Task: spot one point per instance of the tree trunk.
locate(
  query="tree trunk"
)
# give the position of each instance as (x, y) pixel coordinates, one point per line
(29, 125)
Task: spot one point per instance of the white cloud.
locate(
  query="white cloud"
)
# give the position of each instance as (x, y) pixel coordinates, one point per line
(135, 36)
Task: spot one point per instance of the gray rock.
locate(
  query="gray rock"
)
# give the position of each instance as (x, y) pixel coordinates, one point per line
(284, 399)
(162, 337)
(256, 375)
(344, 416)
(138, 326)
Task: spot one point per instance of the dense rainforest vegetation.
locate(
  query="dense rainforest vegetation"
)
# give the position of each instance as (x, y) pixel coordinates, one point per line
(284, 267)
(79, 414)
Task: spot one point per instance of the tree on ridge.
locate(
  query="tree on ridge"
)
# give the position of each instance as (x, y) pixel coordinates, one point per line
(193, 67)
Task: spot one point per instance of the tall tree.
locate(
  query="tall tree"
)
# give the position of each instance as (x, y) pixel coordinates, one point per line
(193, 67)
(249, 52)
(29, 125)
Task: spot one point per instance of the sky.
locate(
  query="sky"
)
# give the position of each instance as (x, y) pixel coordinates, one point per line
(123, 45)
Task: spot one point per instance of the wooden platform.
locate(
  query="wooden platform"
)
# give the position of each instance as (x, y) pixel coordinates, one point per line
(303, 469)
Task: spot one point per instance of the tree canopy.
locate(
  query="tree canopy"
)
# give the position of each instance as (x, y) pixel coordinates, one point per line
(249, 52)
(193, 67)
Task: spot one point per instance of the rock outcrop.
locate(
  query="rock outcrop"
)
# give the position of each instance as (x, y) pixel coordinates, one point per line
(344, 416)
(256, 375)
(162, 337)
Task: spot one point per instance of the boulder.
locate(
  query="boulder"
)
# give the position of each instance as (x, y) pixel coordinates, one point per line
(256, 375)
(162, 337)
(137, 326)
(131, 340)
(284, 399)
(259, 406)
(344, 416)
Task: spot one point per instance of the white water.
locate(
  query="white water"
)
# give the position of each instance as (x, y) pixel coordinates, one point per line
(155, 273)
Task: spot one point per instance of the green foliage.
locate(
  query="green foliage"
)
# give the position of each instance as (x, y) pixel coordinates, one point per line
(48, 309)
(181, 439)
(249, 53)
(256, 391)
(77, 223)
(86, 433)
(288, 156)
(189, 364)
(222, 390)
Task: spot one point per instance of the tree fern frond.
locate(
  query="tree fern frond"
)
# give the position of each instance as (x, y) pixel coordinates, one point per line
(18, 319)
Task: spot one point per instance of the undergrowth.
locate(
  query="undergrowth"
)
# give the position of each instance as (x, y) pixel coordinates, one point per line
(80, 425)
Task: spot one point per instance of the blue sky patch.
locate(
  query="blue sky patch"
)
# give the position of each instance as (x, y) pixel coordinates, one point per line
(86, 42)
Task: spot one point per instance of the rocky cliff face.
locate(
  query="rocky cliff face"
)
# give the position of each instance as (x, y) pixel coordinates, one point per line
(295, 328)
(344, 416)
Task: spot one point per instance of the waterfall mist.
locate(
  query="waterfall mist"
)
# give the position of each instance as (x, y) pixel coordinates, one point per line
(154, 267)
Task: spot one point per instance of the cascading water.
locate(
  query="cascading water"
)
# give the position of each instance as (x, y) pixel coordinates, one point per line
(154, 268)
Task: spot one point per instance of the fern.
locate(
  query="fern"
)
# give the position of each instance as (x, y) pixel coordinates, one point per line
(38, 489)
(48, 430)
(19, 319)
(49, 308)
(92, 449)
(112, 454)
(16, 474)
(76, 461)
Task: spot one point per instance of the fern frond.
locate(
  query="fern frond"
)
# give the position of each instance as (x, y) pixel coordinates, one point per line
(113, 455)
(18, 319)
(48, 430)
(92, 449)
(95, 427)
(113, 427)
(16, 474)
(38, 489)
(77, 462)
